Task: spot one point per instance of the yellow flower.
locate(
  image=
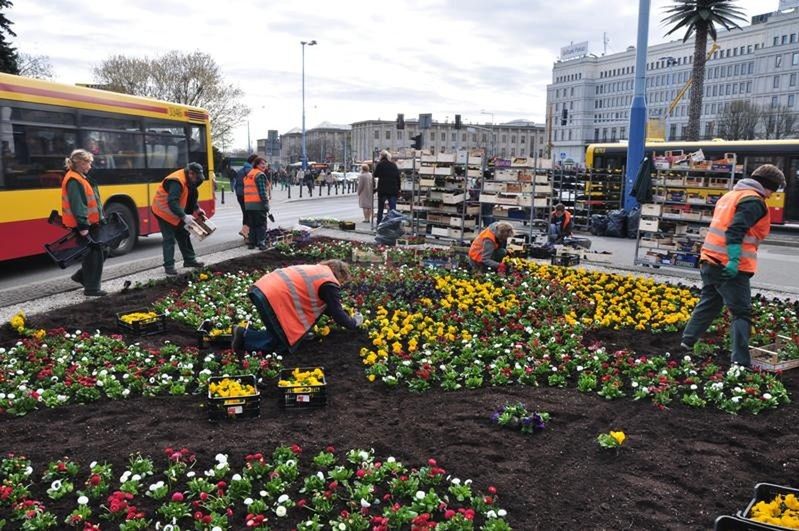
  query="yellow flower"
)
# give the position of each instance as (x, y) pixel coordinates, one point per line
(371, 377)
(619, 436)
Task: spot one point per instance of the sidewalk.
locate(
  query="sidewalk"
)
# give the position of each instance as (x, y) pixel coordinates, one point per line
(280, 195)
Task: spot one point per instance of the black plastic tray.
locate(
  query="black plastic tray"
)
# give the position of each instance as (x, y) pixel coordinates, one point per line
(302, 397)
(72, 247)
(220, 408)
(145, 327)
(766, 492)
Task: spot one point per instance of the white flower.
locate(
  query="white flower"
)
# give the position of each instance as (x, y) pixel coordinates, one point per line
(191, 474)
(136, 477)
(55, 485)
(766, 396)
(263, 493)
(391, 459)
(501, 513)
(579, 368)
(221, 458)
(83, 500)
(491, 514)
(456, 481)
(365, 504)
(736, 399)
(420, 494)
(216, 528)
(693, 387)
(283, 498)
(236, 477)
(247, 501)
(280, 511)
(686, 358)
(634, 384)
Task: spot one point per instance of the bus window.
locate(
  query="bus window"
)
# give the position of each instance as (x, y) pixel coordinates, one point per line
(35, 157)
(115, 150)
(197, 150)
(91, 121)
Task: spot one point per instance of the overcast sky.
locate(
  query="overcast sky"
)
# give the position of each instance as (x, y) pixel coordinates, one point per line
(373, 59)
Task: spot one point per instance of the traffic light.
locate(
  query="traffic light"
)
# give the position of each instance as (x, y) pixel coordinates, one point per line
(564, 117)
(400, 121)
(417, 141)
(457, 121)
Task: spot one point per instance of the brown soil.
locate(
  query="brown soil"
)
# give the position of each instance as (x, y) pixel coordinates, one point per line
(680, 468)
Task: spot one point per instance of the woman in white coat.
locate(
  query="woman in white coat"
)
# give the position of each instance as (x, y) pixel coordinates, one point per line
(366, 192)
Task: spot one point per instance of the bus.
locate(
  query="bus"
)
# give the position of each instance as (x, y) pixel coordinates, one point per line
(750, 153)
(136, 142)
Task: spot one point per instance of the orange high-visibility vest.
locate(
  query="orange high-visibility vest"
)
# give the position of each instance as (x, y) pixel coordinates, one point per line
(476, 249)
(567, 218)
(251, 194)
(93, 211)
(160, 205)
(714, 249)
(293, 294)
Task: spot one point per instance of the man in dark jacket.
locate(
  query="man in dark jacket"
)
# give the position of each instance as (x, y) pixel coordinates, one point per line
(388, 184)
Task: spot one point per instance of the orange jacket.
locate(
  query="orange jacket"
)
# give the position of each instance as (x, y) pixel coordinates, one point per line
(714, 249)
(251, 194)
(476, 249)
(293, 294)
(160, 205)
(93, 211)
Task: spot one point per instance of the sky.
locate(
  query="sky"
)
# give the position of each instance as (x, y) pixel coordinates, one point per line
(487, 61)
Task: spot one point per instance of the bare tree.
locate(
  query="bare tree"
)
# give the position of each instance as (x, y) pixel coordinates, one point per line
(191, 79)
(779, 122)
(739, 120)
(37, 66)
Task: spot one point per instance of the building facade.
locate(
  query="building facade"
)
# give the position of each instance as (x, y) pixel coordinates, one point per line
(324, 143)
(516, 138)
(589, 98)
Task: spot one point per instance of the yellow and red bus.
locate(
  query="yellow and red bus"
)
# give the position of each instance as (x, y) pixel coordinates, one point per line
(751, 153)
(136, 142)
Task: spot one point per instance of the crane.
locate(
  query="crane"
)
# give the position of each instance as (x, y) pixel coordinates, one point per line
(656, 127)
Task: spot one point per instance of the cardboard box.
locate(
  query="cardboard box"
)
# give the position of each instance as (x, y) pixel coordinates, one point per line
(648, 225)
(495, 187)
(651, 209)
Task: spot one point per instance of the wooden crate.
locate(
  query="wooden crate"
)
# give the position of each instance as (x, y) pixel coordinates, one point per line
(767, 358)
(367, 256)
(650, 209)
(648, 225)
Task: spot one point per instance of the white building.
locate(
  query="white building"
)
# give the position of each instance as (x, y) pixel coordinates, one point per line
(589, 97)
(511, 139)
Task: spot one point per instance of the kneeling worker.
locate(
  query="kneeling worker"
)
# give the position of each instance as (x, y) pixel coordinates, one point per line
(290, 301)
(560, 224)
(488, 249)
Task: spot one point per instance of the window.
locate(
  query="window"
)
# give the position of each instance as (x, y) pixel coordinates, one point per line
(125, 150)
(776, 41)
(571, 91)
(777, 61)
(715, 90)
(737, 70)
(504, 138)
(443, 137)
(388, 135)
(463, 137)
(784, 39)
(513, 139)
(791, 99)
(377, 134)
(484, 138)
(729, 70)
(400, 136)
(622, 133)
(432, 137)
(774, 101)
(751, 67)
(522, 139)
(32, 159)
(570, 134)
(709, 129)
(713, 108)
(474, 138)
(793, 38)
(734, 88)
(795, 58)
(596, 135)
(454, 136)
(748, 87)
(776, 82)
(792, 80)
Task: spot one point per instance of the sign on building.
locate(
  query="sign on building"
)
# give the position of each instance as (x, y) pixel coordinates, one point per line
(573, 51)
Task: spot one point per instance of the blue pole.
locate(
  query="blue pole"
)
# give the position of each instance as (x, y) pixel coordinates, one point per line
(635, 145)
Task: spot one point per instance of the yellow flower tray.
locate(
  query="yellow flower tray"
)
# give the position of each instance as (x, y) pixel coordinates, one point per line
(222, 404)
(302, 387)
(141, 322)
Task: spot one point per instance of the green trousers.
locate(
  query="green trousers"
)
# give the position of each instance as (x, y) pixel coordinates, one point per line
(170, 234)
(91, 269)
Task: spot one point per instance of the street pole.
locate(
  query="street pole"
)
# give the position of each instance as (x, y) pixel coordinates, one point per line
(304, 152)
(635, 146)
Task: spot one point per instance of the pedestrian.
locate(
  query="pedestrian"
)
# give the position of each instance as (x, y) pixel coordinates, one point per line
(175, 206)
(290, 301)
(488, 249)
(307, 178)
(366, 193)
(82, 211)
(237, 183)
(329, 180)
(560, 224)
(728, 259)
(257, 193)
(388, 184)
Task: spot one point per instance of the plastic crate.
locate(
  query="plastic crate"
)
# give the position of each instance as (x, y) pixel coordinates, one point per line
(565, 260)
(144, 327)
(302, 396)
(205, 339)
(733, 523)
(346, 225)
(765, 492)
(220, 408)
(72, 247)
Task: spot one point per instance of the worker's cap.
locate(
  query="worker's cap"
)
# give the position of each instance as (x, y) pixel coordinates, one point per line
(769, 176)
(197, 168)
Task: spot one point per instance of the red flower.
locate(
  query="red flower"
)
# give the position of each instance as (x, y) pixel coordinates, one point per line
(296, 448)
(177, 497)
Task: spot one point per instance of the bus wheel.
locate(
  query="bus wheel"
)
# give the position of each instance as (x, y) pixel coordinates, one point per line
(126, 245)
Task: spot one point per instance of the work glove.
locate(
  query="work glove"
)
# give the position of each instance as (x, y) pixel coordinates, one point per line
(201, 213)
(358, 318)
(189, 220)
(730, 271)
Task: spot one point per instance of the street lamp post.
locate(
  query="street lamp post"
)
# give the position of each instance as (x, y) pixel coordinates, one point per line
(304, 152)
(493, 134)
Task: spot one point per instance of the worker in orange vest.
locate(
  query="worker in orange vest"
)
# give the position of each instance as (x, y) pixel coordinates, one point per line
(257, 193)
(728, 259)
(488, 249)
(82, 211)
(560, 224)
(290, 301)
(174, 206)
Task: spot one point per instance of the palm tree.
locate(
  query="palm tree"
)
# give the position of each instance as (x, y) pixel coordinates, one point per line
(700, 17)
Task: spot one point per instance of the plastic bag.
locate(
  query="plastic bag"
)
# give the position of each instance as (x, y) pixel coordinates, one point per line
(599, 224)
(390, 228)
(617, 221)
(633, 218)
